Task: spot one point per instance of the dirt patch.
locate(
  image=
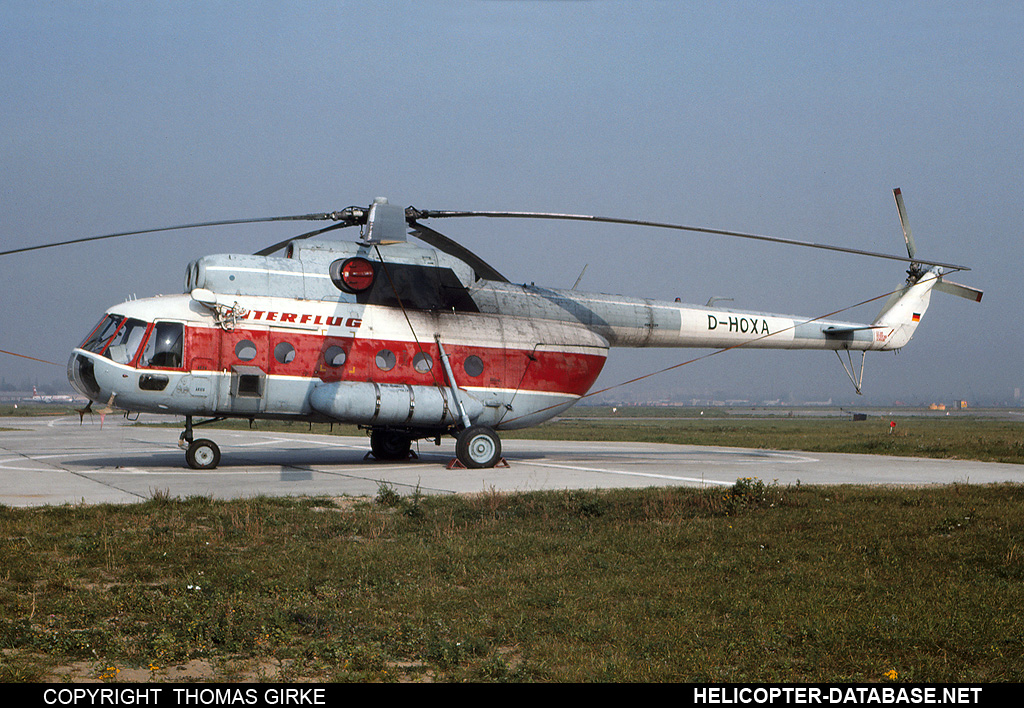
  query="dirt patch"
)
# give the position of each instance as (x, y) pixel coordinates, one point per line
(193, 671)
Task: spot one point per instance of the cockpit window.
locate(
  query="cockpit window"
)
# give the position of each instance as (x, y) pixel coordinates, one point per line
(126, 341)
(164, 349)
(102, 333)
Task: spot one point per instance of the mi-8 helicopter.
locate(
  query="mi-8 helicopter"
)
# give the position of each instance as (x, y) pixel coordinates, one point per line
(418, 342)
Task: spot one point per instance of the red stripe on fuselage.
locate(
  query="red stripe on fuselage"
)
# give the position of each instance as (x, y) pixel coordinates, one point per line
(214, 349)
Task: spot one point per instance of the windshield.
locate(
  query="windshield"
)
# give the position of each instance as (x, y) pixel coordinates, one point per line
(126, 341)
(116, 338)
(101, 334)
(119, 338)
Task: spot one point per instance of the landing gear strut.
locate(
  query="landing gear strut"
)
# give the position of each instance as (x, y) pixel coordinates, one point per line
(476, 446)
(201, 454)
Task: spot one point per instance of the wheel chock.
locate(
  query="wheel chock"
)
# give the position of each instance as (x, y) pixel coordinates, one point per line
(454, 464)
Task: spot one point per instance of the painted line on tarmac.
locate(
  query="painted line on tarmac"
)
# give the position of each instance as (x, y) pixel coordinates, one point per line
(766, 458)
(624, 473)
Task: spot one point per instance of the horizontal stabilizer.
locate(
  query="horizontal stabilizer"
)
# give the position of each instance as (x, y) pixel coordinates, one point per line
(959, 290)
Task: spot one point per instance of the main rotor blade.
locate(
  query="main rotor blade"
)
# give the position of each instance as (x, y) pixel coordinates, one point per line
(304, 217)
(452, 248)
(904, 224)
(281, 244)
(678, 227)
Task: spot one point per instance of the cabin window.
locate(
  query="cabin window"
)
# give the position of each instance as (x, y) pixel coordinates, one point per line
(422, 362)
(334, 356)
(284, 353)
(473, 365)
(245, 350)
(386, 360)
(164, 346)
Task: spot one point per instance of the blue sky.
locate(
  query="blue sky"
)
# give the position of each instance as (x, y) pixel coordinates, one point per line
(794, 119)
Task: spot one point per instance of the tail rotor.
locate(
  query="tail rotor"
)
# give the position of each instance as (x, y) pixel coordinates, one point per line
(916, 269)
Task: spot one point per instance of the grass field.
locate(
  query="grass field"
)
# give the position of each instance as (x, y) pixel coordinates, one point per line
(752, 583)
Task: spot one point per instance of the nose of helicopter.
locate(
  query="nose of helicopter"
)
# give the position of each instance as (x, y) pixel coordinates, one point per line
(82, 375)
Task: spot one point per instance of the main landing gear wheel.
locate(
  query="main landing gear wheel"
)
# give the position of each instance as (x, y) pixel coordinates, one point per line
(478, 446)
(389, 445)
(202, 454)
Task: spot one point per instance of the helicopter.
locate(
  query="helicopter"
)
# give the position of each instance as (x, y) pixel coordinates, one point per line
(418, 342)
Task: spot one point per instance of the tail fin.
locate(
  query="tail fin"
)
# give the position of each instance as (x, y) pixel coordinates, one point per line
(902, 313)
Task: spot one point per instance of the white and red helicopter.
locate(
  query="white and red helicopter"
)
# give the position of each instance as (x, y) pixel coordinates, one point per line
(414, 342)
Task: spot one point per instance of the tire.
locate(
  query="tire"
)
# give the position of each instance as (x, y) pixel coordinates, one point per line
(477, 447)
(389, 445)
(202, 454)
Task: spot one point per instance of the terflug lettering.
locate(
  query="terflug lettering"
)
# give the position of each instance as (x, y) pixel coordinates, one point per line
(293, 317)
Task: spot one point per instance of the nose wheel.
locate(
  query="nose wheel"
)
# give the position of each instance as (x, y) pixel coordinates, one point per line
(200, 454)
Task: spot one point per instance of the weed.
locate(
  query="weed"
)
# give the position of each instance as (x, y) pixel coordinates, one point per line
(387, 496)
(414, 506)
(751, 493)
(411, 507)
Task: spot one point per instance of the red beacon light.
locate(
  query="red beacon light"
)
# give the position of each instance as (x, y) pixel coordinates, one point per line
(353, 275)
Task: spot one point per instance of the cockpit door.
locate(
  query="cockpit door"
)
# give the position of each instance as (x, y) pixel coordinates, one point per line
(165, 347)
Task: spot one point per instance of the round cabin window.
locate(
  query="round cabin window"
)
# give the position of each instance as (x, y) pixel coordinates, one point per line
(245, 350)
(473, 365)
(284, 353)
(386, 360)
(334, 356)
(422, 362)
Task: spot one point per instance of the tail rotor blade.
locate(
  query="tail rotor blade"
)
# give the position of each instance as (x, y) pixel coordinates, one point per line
(968, 293)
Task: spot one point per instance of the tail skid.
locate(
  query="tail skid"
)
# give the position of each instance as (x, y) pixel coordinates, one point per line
(858, 380)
